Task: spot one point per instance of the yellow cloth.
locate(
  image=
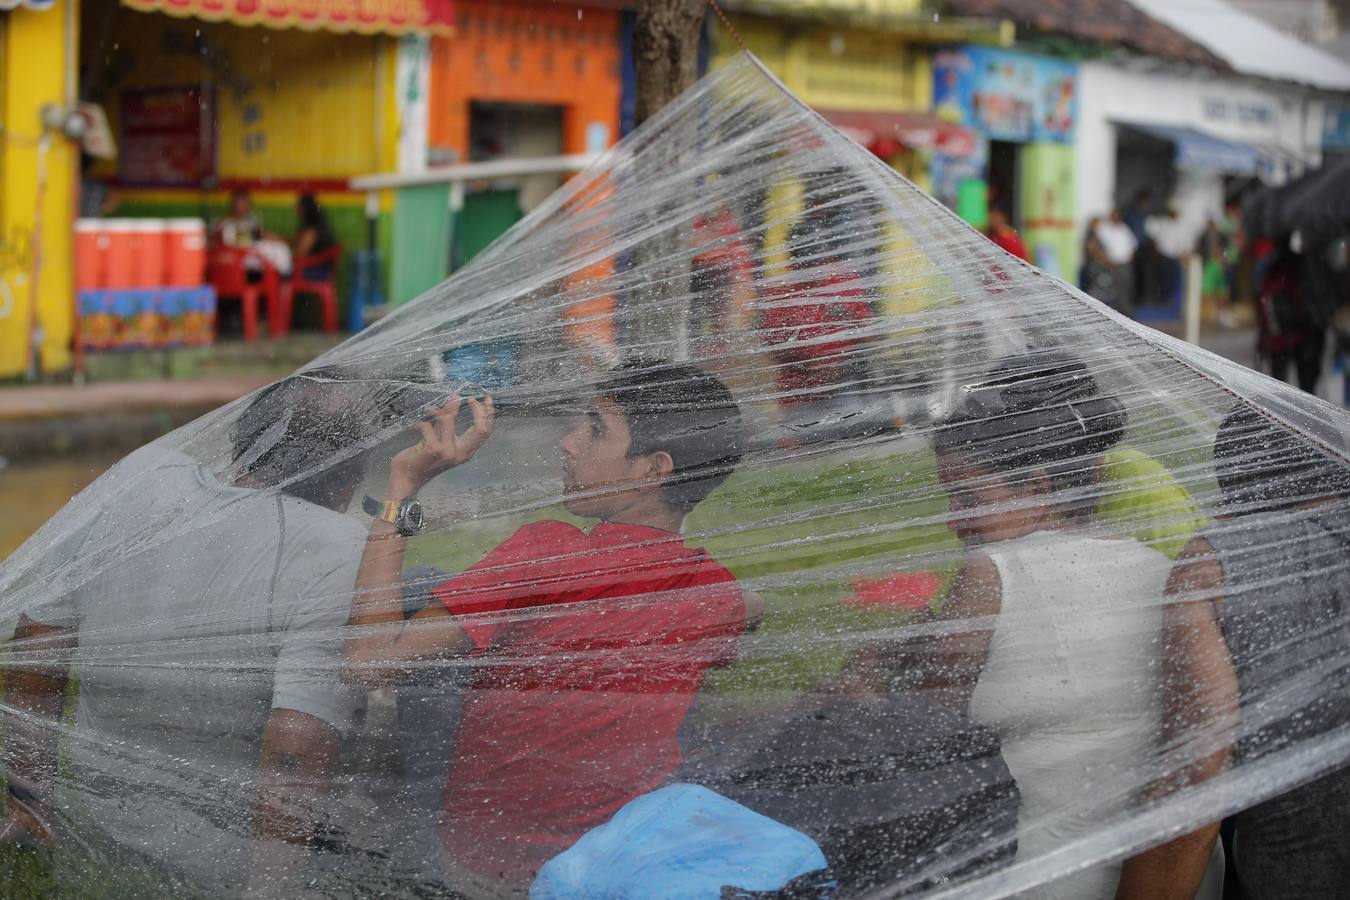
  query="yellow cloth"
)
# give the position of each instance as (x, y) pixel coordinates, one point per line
(1140, 497)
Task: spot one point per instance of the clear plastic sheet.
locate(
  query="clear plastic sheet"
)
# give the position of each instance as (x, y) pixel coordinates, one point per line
(792, 488)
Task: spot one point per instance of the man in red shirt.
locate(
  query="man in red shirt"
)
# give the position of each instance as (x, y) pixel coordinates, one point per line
(592, 644)
(1002, 233)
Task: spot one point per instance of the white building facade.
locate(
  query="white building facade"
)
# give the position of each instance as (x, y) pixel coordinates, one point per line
(1192, 138)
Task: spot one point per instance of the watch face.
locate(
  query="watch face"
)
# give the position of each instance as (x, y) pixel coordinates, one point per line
(410, 517)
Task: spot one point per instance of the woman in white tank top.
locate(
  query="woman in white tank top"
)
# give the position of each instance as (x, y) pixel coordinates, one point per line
(1055, 625)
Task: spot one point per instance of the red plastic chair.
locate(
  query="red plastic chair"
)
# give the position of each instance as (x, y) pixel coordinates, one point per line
(325, 290)
(228, 274)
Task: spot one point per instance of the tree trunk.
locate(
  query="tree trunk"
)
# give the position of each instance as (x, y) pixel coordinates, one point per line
(665, 51)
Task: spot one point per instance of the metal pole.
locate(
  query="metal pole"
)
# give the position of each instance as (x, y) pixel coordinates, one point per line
(1191, 314)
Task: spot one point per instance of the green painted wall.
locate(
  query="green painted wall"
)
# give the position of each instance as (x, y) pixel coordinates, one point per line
(419, 252)
(1048, 181)
(486, 216)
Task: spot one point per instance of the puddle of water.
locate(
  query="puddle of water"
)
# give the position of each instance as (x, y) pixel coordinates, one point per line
(31, 492)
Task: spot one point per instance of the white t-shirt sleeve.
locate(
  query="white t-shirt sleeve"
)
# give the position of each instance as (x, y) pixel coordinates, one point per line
(312, 594)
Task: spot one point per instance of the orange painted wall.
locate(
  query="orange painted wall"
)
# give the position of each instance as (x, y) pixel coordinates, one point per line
(526, 53)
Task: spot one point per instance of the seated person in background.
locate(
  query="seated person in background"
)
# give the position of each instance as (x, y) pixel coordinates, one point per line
(240, 227)
(314, 235)
(1258, 619)
(210, 710)
(592, 645)
(1058, 648)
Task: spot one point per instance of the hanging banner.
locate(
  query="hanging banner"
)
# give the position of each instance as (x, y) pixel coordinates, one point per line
(166, 136)
(363, 16)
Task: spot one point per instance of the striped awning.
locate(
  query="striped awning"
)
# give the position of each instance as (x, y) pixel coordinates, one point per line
(362, 16)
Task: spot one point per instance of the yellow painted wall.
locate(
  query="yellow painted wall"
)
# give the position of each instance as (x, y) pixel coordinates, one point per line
(836, 67)
(36, 213)
(289, 103)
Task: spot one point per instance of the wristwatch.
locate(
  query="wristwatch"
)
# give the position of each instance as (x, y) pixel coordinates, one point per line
(404, 515)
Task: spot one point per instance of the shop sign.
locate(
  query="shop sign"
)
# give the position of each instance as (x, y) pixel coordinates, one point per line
(167, 136)
(1336, 127)
(1250, 113)
(364, 16)
(1006, 95)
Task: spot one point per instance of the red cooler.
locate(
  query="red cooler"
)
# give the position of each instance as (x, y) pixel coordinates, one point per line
(147, 253)
(121, 268)
(91, 253)
(186, 243)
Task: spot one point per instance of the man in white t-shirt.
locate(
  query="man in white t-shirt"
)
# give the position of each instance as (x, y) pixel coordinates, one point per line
(1120, 245)
(202, 613)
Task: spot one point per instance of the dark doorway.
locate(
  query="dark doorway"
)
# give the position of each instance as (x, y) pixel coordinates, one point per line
(499, 131)
(1004, 189)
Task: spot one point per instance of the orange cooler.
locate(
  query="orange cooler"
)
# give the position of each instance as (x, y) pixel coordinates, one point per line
(91, 254)
(121, 268)
(147, 253)
(186, 244)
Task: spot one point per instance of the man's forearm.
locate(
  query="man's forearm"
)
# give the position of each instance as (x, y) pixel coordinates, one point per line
(299, 753)
(37, 689)
(382, 646)
(377, 605)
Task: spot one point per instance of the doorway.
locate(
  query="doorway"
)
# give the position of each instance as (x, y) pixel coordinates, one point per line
(503, 131)
(1005, 189)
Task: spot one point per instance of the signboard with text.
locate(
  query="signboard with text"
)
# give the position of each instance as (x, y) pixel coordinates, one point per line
(1006, 95)
(1336, 127)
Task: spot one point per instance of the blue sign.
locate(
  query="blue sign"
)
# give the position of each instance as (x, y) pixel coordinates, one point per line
(1006, 95)
(1336, 127)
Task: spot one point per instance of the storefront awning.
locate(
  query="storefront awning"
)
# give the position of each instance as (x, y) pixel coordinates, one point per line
(887, 133)
(386, 17)
(1203, 152)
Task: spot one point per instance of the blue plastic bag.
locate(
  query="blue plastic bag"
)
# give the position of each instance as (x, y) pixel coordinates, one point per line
(682, 841)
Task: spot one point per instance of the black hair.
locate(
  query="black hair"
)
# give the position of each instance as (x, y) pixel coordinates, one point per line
(311, 215)
(684, 411)
(1040, 409)
(306, 435)
(1261, 465)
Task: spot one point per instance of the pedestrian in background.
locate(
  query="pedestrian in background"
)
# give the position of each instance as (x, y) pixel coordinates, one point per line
(1214, 276)
(1002, 233)
(1120, 245)
(1169, 238)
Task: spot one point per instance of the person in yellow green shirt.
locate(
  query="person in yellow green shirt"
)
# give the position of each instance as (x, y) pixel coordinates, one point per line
(1138, 496)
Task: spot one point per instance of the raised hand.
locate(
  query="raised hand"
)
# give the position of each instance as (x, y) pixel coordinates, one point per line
(440, 448)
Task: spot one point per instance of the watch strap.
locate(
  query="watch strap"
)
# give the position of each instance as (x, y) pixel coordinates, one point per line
(384, 510)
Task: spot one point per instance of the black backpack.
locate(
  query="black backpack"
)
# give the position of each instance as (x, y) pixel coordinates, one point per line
(888, 790)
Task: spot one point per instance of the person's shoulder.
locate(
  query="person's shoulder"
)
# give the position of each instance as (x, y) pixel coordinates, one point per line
(710, 570)
(549, 529)
(544, 537)
(318, 523)
(1129, 460)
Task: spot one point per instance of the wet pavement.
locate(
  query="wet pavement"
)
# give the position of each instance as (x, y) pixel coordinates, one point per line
(32, 492)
